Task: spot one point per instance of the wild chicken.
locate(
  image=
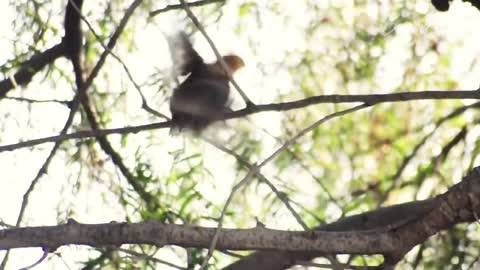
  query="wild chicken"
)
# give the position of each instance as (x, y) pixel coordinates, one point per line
(203, 97)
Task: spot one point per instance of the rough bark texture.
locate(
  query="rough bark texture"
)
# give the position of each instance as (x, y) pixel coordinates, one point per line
(390, 231)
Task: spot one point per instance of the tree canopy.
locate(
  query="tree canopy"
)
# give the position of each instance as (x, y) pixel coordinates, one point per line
(352, 142)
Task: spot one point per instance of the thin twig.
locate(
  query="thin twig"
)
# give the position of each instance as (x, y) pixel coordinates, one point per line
(103, 141)
(43, 170)
(6, 225)
(232, 254)
(148, 257)
(235, 188)
(285, 106)
(179, 6)
(292, 140)
(44, 256)
(33, 101)
(343, 266)
(304, 167)
(84, 134)
(396, 177)
(280, 195)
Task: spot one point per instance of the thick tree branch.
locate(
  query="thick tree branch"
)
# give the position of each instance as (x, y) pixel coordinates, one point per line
(159, 234)
(280, 195)
(73, 31)
(255, 169)
(411, 224)
(70, 46)
(406, 216)
(28, 68)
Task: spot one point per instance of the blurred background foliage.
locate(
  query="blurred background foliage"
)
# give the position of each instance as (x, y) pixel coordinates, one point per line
(389, 154)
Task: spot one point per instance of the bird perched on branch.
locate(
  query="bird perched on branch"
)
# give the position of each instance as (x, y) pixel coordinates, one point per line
(203, 96)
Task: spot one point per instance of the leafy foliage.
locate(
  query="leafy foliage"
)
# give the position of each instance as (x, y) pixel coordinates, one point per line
(391, 153)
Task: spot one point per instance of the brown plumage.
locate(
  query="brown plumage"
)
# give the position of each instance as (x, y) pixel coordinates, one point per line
(203, 97)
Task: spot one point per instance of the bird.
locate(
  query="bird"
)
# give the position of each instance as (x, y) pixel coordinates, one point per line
(203, 97)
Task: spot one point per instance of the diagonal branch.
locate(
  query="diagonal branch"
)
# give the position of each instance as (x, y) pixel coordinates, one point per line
(92, 119)
(179, 6)
(127, 70)
(281, 196)
(74, 107)
(292, 140)
(115, 156)
(28, 68)
(416, 149)
(255, 169)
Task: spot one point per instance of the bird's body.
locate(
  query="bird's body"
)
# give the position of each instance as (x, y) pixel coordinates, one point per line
(204, 95)
(199, 100)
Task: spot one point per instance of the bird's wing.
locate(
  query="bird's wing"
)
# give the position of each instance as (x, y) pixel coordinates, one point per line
(184, 56)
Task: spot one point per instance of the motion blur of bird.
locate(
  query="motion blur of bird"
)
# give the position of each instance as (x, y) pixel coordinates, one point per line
(203, 96)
